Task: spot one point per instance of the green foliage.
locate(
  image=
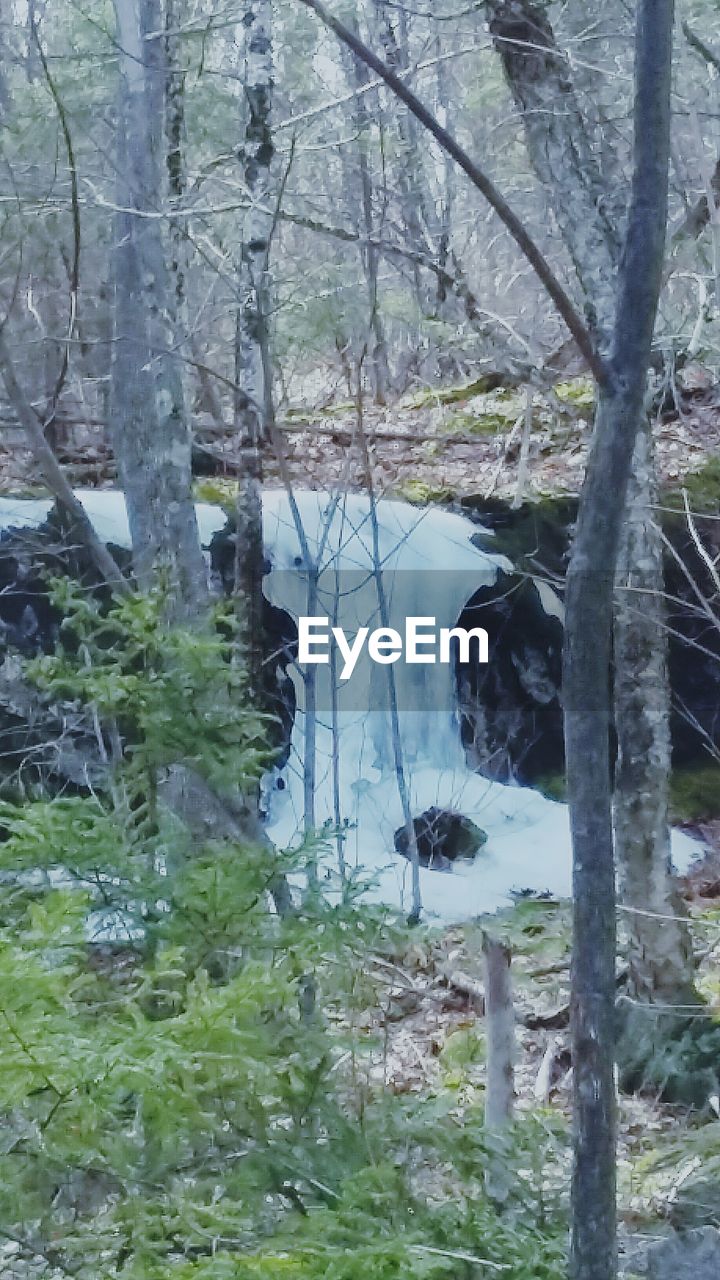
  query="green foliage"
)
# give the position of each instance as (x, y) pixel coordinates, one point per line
(189, 1100)
(177, 691)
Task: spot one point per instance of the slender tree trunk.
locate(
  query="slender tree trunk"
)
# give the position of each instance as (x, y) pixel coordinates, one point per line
(151, 434)
(253, 402)
(364, 218)
(559, 150)
(621, 395)
(414, 197)
(660, 951)
(175, 158)
(587, 655)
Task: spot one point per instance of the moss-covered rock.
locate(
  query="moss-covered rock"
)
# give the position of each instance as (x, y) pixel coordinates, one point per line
(579, 392)
(552, 785)
(695, 793)
(422, 494)
(702, 488)
(675, 1056)
(220, 491)
(442, 837)
(455, 395)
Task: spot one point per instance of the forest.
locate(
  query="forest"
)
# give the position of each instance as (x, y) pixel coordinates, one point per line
(359, 640)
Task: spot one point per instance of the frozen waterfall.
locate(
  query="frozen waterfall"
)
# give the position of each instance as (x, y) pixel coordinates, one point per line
(429, 567)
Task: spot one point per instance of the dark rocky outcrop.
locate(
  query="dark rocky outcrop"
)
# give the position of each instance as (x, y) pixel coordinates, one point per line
(511, 710)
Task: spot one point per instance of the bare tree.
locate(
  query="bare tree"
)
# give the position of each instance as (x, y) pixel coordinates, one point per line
(622, 381)
(561, 152)
(620, 410)
(150, 426)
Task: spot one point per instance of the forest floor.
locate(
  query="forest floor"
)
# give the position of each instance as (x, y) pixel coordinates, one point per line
(429, 1030)
(432, 445)
(460, 442)
(426, 1020)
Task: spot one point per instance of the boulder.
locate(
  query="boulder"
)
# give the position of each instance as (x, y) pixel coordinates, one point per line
(693, 1255)
(442, 836)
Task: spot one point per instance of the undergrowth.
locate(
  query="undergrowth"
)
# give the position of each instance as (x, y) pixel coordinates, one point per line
(186, 1091)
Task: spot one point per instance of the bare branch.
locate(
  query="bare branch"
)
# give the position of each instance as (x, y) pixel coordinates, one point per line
(53, 473)
(479, 179)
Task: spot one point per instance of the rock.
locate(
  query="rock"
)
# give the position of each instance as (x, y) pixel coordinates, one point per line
(442, 836)
(697, 1204)
(694, 1255)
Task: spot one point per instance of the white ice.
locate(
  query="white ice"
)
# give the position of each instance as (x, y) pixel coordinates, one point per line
(430, 568)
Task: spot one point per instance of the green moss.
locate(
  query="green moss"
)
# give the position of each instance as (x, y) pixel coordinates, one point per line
(490, 423)
(309, 416)
(576, 391)
(552, 785)
(26, 491)
(433, 396)
(422, 494)
(218, 491)
(702, 488)
(695, 793)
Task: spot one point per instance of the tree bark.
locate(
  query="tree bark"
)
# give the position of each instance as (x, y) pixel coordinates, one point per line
(622, 383)
(364, 220)
(587, 655)
(151, 432)
(253, 404)
(660, 959)
(561, 153)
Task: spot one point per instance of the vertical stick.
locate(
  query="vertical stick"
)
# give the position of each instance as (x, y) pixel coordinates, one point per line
(500, 1020)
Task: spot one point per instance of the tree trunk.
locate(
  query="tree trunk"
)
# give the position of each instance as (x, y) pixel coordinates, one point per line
(151, 434)
(500, 1085)
(560, 150)
(253, 403)
(363, 216)
(414, 197)
(587, 654)
(561, 154)
(621, 393)
(660, 951)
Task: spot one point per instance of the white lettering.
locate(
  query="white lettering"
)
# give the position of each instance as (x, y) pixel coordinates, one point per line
(307, 641)
(414, 637)
(385, 645)
(463, 638)
(350, 652)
